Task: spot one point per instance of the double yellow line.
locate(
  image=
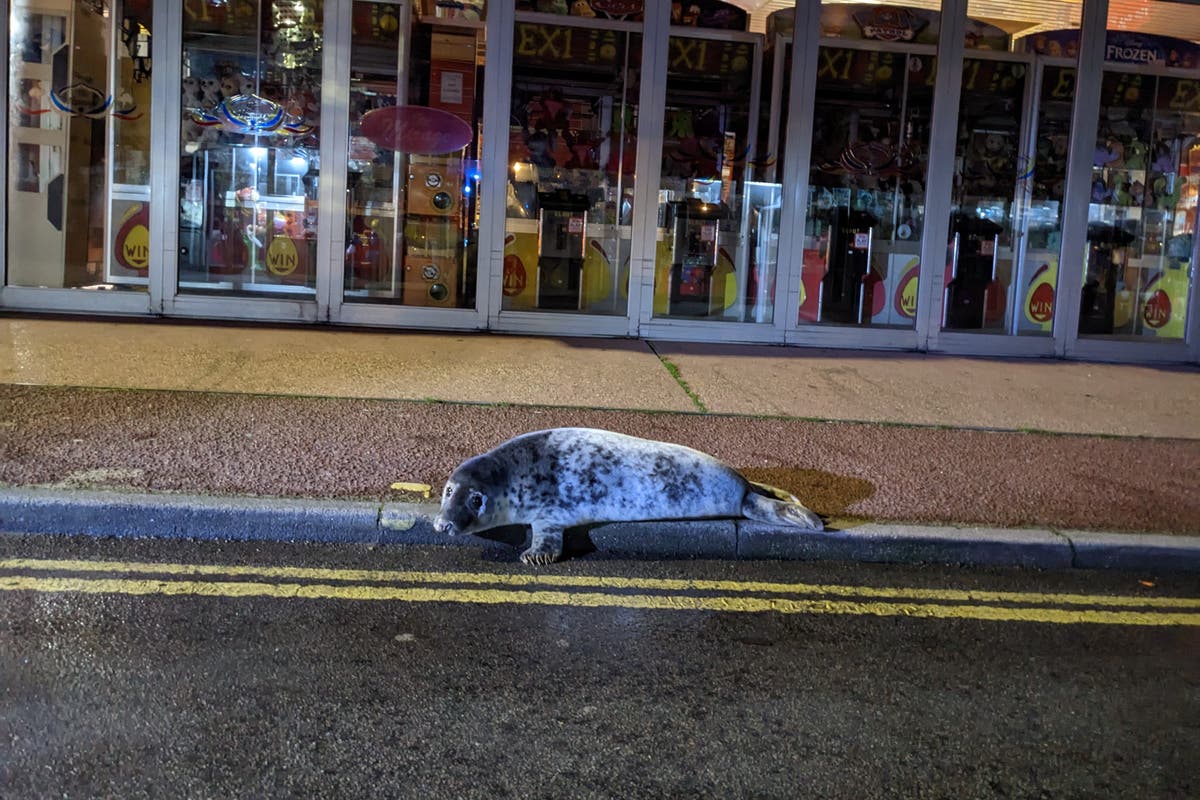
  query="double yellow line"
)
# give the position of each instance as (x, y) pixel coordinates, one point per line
(219, 580)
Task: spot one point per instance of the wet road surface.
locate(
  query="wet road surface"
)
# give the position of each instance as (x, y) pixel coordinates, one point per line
(333, 671)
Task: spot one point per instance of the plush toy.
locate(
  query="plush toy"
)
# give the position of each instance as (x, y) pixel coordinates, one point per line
(1162, 158)
(210, 93)
(1116, 151)
(1138, 190)
(234, 84)
(1117, 188)
(193, 135)
(229, 87)
(1135, 155)
(190, 93)
(1105, 154)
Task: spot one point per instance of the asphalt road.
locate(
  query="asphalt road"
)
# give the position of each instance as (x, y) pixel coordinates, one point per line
(278, 671)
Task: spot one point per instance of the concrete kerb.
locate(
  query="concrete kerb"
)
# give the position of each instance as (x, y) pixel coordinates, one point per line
(120, 514)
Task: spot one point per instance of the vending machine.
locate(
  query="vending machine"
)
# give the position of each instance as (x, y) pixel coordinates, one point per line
(693, 226)
(562, 234)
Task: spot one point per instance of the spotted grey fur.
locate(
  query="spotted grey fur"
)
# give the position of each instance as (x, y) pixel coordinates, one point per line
(556, 479)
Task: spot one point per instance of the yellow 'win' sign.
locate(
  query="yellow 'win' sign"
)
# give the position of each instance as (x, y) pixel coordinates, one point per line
(282, 258)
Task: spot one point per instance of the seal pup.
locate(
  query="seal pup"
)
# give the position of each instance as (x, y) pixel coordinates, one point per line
(562, 477)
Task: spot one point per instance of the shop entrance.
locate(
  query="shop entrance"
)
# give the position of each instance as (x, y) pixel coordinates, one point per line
(865, 224)
(572, 140)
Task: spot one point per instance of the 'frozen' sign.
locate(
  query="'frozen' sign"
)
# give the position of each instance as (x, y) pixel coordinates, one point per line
(1120, 47)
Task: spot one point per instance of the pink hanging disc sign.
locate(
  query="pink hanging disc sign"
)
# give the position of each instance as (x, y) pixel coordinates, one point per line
(416, 129)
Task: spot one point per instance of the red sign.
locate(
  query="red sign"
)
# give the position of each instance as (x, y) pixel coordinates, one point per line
(514, 276)
(1041, 303)
(132, 246)
(1157, 310)
(906, 293)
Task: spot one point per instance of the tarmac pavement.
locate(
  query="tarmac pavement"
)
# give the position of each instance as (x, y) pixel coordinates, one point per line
(153, 669)
(163, 429)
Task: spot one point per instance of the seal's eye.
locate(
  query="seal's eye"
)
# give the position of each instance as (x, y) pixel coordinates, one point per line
(475, 501)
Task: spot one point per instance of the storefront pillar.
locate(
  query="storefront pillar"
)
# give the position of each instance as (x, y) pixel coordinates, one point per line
(799, 137)
(497, 89)
(335, 107)
(165, 122)
(943, 135)
(652, 115)
(1085, 114)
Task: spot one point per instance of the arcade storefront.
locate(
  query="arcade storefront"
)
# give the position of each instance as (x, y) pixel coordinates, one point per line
(972, 176)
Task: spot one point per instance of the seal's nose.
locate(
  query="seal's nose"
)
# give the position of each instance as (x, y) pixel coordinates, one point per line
(443, 525)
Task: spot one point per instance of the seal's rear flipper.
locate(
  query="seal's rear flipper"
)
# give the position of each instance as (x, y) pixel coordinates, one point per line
(774, 491)
(768, 509)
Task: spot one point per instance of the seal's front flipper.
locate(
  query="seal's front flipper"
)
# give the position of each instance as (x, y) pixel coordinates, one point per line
(546, 545)
(768, 509)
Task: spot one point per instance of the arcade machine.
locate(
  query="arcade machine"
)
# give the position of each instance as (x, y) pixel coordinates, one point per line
(562, 235)
(976, 242)
(1106, 251)
(693, 224)
(851, 234)
(434, 225)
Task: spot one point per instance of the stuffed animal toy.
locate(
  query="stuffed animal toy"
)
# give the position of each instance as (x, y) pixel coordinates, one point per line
(1135, 155)
(210, 93)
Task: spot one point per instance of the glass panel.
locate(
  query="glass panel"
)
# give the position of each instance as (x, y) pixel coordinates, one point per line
(777, 82)
(415, 108)
(250, 162)
(1042, 224)
(718, 227)
(1145, 181)
(986, 195)
(867, 192)
(624, 10)
(572, 144)
(79, 83)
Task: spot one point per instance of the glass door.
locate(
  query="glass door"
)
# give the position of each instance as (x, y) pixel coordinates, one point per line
(572, 141)
(412, 216)
(718, 219)
(1142, 214)
(988, 197)
(250, 166)
(867, 187)
(79, 147)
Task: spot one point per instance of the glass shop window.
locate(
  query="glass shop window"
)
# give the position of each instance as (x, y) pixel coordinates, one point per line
(79, 144)
(250, 164)
(778, 52)
(1140, 254)
(1044, 174)
(572, 142)
(1145, 179)
(867, 186)
(988, 193)
(412, 219)
(718, 222)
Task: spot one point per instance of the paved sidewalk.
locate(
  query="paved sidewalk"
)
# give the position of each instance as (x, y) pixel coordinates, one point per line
(328, 417)
(1010, 394)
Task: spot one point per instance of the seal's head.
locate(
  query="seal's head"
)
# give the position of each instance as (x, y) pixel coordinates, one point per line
(470, 501)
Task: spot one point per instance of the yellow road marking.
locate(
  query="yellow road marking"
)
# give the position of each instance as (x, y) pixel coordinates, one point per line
(598, 582)
(734, 604)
